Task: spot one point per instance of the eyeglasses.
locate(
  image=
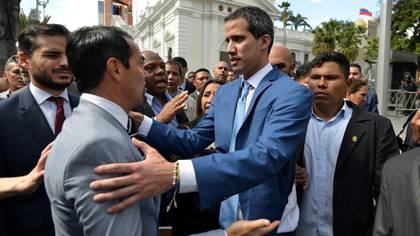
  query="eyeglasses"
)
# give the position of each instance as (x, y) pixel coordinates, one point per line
(280, 66)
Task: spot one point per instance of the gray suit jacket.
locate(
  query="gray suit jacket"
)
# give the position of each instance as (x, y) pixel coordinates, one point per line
(398, 211)
(91, 137)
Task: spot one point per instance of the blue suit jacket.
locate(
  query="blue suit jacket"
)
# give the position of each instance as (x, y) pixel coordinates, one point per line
(24, 134)
(262, 168)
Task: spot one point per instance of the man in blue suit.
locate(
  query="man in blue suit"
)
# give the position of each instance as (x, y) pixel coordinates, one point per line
(258, 125)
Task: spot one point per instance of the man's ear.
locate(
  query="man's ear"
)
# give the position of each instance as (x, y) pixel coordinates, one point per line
(265, 41)
(113, 68)
(23, 59)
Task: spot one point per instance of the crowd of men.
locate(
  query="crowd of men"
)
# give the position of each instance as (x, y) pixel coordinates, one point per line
(257, 147)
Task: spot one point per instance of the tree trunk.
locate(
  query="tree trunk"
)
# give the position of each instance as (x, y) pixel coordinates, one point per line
(9, 27)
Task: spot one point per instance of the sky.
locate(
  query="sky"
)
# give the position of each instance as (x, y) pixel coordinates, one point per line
(76, 13)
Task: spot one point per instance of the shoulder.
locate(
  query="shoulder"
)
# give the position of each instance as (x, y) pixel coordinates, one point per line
(408, 162)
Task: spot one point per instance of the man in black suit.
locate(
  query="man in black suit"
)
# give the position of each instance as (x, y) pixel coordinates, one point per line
(345, 149)
(30, 120)
(185, 84)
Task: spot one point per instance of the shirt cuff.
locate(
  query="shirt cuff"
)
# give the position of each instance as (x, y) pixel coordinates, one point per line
(187, 180)
(145, 126)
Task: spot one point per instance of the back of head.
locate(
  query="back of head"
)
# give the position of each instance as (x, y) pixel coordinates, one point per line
(89, 49)
(303, 71)
(336, 57)
(181, 61)
(27, 39)
(259, 22)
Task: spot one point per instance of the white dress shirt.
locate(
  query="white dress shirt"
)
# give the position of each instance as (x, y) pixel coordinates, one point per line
(49, 108)
(112, 108)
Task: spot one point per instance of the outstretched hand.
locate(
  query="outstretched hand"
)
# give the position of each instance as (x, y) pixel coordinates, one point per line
(251, 228)
(172, 107)
(140, 180)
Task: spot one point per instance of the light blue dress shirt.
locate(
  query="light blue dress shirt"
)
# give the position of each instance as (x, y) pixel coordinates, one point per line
(157, 106)
(322, 145)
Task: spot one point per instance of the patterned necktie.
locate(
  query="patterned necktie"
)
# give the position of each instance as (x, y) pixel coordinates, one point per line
(59, 114)
(229, 207)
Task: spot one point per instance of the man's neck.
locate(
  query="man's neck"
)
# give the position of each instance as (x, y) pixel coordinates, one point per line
(51, 91)
(326, 113)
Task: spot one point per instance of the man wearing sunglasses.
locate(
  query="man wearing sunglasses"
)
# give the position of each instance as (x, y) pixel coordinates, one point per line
(280, 57)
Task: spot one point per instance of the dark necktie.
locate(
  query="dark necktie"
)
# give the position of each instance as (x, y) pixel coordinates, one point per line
(59, 114)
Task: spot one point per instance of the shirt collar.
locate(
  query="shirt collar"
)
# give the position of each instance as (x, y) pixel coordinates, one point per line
(41, 95)
(112, 108)
(150, 98)
(344, 112)
(256, 78)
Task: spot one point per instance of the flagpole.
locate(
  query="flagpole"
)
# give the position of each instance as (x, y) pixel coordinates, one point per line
(383, 77)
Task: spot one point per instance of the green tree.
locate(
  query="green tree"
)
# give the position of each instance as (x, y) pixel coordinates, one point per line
(371, 49)
(297, 21)
(342, 36)
(9, 28)
(285, 13)
(405, 26)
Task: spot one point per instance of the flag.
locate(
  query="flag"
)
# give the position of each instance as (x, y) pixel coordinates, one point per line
(364, 11)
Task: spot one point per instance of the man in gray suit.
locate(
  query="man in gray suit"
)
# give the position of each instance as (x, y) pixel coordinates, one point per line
(398, 211)
(108, 66)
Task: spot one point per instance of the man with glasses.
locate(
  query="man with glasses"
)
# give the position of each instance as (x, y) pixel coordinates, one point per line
(280, 57)
(12, 74)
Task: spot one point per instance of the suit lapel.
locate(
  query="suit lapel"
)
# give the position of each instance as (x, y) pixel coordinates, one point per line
(230, 103)
(264, 84)
(352, 137)
(34, 119)
(73, 100)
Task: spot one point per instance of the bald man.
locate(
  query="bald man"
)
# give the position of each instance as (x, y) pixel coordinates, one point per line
(220, 70)
(280, 57)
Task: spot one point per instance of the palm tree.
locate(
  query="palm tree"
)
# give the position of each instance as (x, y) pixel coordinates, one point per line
(285, 13)
(299, 20)
(325, 37)
(340, 36)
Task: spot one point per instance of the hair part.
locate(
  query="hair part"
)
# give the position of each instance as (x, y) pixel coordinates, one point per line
(27, 39)
(259, 22)
(336, 57)
(89, 49)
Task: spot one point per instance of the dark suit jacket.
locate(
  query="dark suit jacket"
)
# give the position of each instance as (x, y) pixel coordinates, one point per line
(24, 134)
(189, 87)
(398, 211)
(368, 141)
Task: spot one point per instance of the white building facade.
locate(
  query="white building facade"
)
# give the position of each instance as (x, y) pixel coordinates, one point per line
(194, 29)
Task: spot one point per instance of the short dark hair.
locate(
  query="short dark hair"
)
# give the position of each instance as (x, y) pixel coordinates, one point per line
(88, 50)
(336, 57)
(181, 61)
(303, 70)
(356, 85)
(27, 39)
(175, 63)
(357, 66)
(201, 70)
(259, 22)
